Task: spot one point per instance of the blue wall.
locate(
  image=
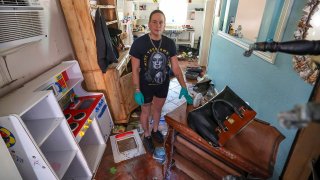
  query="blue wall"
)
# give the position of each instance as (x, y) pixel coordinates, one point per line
(269, 88)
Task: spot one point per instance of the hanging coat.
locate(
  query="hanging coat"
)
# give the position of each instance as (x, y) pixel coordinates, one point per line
(105, 50)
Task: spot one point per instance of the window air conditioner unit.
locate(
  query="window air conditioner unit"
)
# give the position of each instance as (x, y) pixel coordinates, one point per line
(21, 22)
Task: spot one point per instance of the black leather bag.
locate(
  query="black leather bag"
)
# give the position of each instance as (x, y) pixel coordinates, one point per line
(221, 118)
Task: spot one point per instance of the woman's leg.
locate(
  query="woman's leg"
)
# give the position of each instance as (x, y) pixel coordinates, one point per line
(157, 105)
(144, 118)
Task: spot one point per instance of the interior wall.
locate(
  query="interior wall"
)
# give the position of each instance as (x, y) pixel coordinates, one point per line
(206, 33)
(27, 63)
(269, 88)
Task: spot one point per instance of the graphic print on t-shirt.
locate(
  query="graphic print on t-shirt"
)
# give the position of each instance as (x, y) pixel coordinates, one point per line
(155, 64)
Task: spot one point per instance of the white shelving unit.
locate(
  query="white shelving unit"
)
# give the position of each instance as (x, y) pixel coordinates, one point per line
(40, 140)
(142, 9)
(40, 135)
(60, 160)
(91, 148)
(30, 151)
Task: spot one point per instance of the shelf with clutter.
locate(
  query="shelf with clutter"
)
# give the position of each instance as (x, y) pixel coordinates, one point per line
(54, 122)
(126, 27)
(181, 34)
(142, 9)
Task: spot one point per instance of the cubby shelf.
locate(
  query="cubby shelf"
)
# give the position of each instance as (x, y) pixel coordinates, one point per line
(48, 126)
(60, 160)
(41, 137)
(71, 83)
(93, 154)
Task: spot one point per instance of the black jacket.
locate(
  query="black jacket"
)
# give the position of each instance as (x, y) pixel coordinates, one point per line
(105, 51)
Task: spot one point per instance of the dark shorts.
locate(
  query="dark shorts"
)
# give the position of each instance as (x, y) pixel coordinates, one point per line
(159, 91)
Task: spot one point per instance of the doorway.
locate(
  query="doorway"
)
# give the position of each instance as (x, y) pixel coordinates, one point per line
(199, 16)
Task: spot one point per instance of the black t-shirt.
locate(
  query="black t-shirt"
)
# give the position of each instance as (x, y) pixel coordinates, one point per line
(154, 65)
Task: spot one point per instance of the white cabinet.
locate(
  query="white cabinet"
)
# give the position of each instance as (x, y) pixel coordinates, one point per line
(38, 135)
(39, 138)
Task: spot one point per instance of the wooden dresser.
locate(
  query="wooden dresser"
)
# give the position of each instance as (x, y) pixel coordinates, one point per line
(250, 153)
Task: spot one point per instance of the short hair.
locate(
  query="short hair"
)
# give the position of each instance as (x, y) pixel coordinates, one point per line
(157, 11)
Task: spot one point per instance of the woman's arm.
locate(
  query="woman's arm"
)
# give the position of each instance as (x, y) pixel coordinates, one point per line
(177, 71)
(135, 62)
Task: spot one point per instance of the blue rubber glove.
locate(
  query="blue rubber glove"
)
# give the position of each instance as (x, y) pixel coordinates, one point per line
(184, 92)
(138, 97)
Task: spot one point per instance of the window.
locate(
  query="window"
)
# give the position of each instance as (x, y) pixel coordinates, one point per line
(175, 11)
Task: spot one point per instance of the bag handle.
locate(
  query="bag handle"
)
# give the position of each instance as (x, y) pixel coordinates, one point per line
(214, 112)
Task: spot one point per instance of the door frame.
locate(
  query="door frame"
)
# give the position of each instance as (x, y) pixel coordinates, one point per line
(207, 32)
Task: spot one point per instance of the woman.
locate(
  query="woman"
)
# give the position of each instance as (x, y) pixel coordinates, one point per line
(150, 56)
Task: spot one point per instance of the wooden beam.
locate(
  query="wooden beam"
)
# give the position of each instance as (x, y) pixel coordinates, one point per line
(79, 22)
